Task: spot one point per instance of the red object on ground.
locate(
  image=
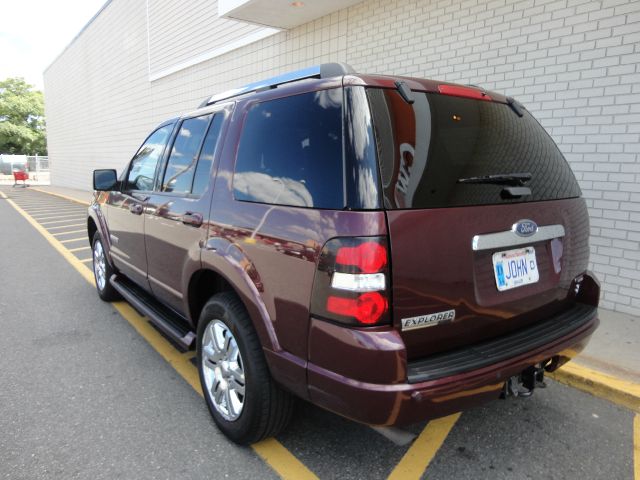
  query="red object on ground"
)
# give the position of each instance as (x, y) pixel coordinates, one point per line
(17, 176)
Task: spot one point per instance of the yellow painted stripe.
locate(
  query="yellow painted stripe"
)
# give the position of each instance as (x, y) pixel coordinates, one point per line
(86, 239)
(424, 448)
(55, 222)
(69, 226)
(59, 195)
(67, 233)
(616, 390)
(176, 359)
(636, 446)
(68, 256)
(86, 260)
(281, 460)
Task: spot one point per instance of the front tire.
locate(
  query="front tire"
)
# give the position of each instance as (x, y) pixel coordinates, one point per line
(102, 271)
(245, 402)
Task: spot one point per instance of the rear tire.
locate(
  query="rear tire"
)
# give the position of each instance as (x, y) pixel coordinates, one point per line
(102, 271)
(229, 353)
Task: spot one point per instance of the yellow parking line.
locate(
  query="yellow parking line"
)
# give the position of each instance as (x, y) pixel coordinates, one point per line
(60, 221)
(636, 446)
(613, 389)
(82, 202)
(87, 260)
(424, 448)
(68, 226)
(283, 462)
(70, 240)
(86, 247)
(68, 256)
(67, 233)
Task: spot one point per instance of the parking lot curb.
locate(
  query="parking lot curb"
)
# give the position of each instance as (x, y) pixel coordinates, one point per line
(71, 199)
(616, 390)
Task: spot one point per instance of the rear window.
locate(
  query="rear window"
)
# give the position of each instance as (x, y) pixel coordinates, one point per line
(290, 152)
(425, 148)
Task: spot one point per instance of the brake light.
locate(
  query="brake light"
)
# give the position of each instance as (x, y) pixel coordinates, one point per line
(351, 285)
(366, 309)
(458, 91)
(369, 257)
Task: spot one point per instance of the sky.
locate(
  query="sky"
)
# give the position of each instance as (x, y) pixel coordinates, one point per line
(34, 32)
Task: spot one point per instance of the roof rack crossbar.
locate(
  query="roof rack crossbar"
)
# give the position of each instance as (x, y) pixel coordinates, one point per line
(324, 70)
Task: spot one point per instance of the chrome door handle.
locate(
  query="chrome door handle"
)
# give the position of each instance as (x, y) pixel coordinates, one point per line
(193, 219)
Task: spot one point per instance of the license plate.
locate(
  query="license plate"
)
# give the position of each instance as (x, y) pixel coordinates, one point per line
(515, 268)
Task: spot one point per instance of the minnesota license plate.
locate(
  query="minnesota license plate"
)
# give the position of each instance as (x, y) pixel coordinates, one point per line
(515, 268)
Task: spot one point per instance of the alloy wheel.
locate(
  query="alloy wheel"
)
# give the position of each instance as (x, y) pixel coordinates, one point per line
(223, 370)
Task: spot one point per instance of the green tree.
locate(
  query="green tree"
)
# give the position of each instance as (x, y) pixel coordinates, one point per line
(22, 127)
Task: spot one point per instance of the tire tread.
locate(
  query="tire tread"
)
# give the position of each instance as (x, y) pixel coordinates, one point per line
(276, 409)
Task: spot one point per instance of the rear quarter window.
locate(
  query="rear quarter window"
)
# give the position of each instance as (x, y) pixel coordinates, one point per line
(424, 148)
(290, 152)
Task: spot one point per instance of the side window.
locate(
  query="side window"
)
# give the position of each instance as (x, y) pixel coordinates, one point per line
(290, 152)
(181, 166)
(143, 165)
(202, 176)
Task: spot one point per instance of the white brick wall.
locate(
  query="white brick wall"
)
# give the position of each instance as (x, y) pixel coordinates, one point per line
(574, 63)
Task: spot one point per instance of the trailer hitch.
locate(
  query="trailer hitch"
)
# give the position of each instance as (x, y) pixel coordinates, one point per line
(524, 384)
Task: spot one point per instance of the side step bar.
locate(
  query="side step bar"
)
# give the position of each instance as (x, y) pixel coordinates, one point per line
(160, 316)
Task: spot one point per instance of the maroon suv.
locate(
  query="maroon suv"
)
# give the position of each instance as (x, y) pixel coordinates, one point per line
(391, 249)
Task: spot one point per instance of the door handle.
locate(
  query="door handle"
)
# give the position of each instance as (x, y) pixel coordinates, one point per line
(193, 219)
(136, 208)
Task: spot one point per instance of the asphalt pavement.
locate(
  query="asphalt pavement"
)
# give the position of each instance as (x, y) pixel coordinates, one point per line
(83, 394)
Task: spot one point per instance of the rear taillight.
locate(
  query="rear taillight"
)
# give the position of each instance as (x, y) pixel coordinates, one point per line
(351, 282)
(368, 257)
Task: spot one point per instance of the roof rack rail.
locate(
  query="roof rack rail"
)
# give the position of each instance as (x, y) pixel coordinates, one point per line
(324, 70)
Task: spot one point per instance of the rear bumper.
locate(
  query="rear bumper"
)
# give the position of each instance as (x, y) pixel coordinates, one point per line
(433, 394)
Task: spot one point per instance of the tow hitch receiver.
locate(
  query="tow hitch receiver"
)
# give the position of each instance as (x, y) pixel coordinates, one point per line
(523, 385)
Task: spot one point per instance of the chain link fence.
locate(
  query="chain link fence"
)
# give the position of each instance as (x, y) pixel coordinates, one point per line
(36, 166)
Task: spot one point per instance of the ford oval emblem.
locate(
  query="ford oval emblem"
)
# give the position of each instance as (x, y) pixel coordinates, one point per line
(525, 228)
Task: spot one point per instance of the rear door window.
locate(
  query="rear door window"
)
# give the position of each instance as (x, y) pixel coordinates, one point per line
(290, 152)
(178, 176)
(202, 176)
(424, 150)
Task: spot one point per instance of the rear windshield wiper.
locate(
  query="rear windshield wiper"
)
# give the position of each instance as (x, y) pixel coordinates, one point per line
(515, 179)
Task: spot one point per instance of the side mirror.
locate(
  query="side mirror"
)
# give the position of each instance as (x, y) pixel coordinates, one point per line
(105, 180)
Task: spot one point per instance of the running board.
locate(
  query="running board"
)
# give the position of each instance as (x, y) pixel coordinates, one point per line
(159, 315)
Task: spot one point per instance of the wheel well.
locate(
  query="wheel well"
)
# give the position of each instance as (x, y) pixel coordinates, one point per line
(203, 285)
(91, 229)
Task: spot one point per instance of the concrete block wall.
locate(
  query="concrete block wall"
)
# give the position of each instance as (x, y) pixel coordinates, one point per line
(574, 63)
